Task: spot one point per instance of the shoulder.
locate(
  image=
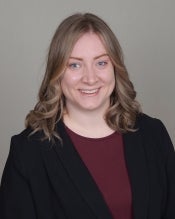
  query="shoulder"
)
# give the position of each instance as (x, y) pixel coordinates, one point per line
(148, 121)
(26, 152)
(154, 132)
(25, 139)
(150, 125)
(26, 146)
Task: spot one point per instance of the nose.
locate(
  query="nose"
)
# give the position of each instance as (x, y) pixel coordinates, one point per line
(89, 75)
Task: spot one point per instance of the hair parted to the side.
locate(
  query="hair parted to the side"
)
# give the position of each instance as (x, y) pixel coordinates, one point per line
(123, 108)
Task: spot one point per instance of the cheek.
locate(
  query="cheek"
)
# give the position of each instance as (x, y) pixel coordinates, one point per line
(70, 79)
(110, 78)
(111, 81)
(69, 82)
(112, 85)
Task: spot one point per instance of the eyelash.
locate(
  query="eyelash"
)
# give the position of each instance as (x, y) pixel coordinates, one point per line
(74, 65)
(102, 63)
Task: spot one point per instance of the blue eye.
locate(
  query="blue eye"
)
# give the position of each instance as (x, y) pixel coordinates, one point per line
(74, 65)
(102, 63)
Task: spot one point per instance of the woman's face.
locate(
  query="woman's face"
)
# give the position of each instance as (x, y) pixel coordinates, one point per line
(88, 80)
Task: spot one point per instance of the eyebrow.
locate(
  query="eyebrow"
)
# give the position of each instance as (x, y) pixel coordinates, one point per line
(96, 57)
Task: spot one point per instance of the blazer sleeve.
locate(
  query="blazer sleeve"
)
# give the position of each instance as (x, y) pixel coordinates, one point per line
(156, 135)
(15, 196)
(170, 172)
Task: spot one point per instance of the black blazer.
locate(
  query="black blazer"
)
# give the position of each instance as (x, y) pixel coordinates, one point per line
(42, 180)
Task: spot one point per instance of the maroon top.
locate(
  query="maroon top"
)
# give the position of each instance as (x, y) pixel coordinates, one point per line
(104, 158)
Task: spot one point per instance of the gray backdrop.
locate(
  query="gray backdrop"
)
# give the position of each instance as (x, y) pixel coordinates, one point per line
(145, 29)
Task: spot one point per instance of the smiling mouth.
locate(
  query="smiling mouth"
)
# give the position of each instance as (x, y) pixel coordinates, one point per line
(87, 91)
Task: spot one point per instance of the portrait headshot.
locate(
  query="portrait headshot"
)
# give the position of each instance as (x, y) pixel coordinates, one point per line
(97, 141)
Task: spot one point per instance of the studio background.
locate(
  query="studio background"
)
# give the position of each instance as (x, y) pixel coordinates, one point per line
(146, 32)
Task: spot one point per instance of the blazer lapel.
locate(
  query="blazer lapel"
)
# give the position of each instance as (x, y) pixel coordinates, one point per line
(79, 174)
(138, 173)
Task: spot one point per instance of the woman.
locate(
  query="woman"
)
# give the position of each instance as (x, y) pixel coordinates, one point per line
(87, 150)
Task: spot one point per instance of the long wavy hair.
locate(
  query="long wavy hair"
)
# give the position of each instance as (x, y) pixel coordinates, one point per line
(123, 109)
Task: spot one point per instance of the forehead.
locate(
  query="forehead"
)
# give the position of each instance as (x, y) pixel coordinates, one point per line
(88, 44)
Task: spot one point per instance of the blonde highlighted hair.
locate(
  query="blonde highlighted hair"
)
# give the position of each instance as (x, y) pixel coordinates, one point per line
(123, 109)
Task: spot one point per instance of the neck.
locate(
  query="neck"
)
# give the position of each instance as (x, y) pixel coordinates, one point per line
(89, 124)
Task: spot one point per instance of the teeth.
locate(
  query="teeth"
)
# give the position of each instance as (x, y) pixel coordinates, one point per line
(89, 91)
